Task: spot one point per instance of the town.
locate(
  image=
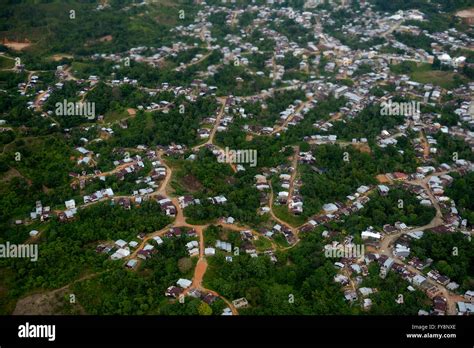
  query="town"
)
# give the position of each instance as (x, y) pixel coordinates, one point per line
(260, 158)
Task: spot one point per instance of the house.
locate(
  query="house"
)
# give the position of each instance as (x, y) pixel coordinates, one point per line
(367, 303)
(389, 228)
(363, 189)
(175, 231)
(158, 240)
(401, 251)
(148, 247)
(185, 201)
(371, 235)
(469, 296)
(219, 200)
(341, 279)
(350, 295)
(383, 189)
(209, 298)
(365, 291)
(370, 257)
(386, 266)
(192, 244)
(440, 305)
(193, 252)
(223, 246)
(330, 208)
(418, 280)
(400, 225)
(71, 204)
(120, 243)
(227, 311)
(240, 303)
(144, 254)
(184, 283)
(173, 291)
(452, 286)
(248, 247)
(120, 254)
(209, 251)
(465, 308)
(131, 263)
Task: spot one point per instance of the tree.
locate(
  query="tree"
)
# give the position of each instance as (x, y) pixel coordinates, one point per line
(204, 309)
(185, 264)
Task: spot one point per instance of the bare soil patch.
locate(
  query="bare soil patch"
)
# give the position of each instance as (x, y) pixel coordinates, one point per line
(191, 183)
(17, 46)
(10, 174)
(467, 13)
(199, 272)
(46, 303)
(363, 147)
(58, 57)
(106, 38)
(382, 178)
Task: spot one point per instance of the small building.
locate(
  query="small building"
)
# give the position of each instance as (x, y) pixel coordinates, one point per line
(209, 251)
(184, 283)
(131, 263)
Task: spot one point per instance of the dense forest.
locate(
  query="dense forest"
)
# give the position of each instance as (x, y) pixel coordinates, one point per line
(302, 283)
(159, 128)
(453, 256)
(214, 179)
(68, 249)
(195, 64)
(461, 191)
(398, 206)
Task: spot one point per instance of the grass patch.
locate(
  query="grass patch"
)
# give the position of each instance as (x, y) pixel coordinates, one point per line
(281, 211)
(423, 73)
(262, 244)
(79, 67)
(6, 62)
(115, 115)
(280, 240)
(444, 79)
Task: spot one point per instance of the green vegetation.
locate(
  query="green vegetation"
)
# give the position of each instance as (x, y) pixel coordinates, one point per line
(452, 253)
(67, 250)
(398, 205)
(274, 105)
(167, 102)
(53, 29)
(452, 148)
(302, 283)
(159, 128)
(461, 191)
(125, 292)
(216, 179)
(388, 290)
(367, 124)
(424, 73)
(232, 79)
(6, 62)
(282, 212)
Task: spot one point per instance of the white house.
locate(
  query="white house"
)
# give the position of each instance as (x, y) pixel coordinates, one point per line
(184, 283)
